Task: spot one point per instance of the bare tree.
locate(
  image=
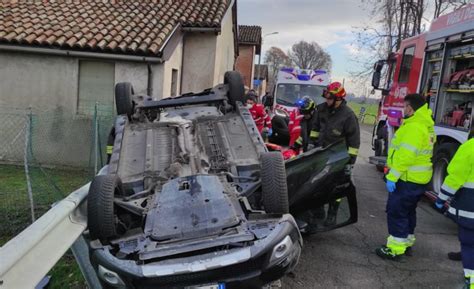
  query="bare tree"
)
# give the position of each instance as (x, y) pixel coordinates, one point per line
(444, 6)
(310, 55)
(275, 58)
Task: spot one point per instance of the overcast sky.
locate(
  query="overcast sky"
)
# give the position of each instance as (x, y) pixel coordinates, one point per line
(328, 22)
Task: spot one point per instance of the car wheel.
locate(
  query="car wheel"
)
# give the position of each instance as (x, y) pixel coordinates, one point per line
(441, 158)
(235, 84)
(123, 98)
(101, 218)
(274, 187)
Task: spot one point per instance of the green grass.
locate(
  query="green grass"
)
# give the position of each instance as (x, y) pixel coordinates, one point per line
(370, 111)
(48, 186)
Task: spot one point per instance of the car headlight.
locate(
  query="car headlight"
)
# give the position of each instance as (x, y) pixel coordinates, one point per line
(111, 277)
(281, 112)
(281, 250)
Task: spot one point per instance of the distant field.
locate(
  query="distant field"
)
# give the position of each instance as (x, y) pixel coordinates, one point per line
(370, 111)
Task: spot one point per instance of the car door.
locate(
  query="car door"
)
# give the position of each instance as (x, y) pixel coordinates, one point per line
(317, 183)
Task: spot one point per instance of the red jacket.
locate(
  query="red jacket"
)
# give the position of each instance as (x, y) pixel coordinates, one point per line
(294, 126)
(260, 117)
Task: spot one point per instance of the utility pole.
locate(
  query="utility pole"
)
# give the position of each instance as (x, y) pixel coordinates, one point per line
(260, 57)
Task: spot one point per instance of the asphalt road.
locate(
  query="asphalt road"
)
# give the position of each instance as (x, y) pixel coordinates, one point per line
(345, 258)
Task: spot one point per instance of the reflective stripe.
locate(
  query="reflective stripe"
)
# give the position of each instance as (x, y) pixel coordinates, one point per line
(398, 246)
(448, 189)
(420, 168)
(425, 152)
(353, 151)
(443, 196)
(296, 128)
(395, 173)
(469, 185)
(469, 273)
(412, 149)
(314, 134)
(291, 122)
(461, 213)
(409, 147)
(109, 150)
(411, 240)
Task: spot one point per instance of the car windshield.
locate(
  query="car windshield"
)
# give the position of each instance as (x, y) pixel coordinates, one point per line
(288, 94)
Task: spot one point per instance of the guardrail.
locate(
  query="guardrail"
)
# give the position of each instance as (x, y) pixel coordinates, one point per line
(28, 257)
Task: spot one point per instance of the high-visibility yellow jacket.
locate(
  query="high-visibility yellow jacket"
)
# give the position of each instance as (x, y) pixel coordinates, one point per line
(460, 182)
(411, 149)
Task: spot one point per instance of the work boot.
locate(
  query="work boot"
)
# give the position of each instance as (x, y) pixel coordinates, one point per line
(332, 214)
(455, 256)
(385, 253)
(409, 252)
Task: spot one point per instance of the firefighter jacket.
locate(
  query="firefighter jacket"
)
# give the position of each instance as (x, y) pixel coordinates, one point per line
(331, 125)
(411, 149)
(460, 184)
(260, 117)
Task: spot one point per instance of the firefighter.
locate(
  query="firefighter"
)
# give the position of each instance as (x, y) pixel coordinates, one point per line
(259, 115)
(459, 185)
(301, 121)
(410, 169)
(335, 121)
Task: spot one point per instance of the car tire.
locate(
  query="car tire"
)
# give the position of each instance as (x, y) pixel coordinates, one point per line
(123, 98)
(101, 218)
(274, 186)
(441, 158)
(235, 84)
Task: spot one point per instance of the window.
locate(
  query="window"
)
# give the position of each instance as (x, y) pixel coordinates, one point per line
(288, 94)
(406, 64)
(174, 82)
(96, 85)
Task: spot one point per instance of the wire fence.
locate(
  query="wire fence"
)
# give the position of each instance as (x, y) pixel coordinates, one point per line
(45, 155)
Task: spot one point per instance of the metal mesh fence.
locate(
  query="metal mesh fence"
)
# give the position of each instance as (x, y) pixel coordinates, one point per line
(44, 156)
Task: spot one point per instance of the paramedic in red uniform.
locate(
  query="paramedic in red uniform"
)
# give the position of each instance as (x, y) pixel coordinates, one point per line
(259, 115)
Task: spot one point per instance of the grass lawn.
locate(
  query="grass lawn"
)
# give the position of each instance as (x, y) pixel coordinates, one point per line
(15, 211)
(370, 111)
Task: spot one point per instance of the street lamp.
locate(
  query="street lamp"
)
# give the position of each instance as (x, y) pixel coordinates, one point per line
(260, 56)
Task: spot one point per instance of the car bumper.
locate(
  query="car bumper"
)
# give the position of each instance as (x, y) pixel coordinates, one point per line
(266, 260)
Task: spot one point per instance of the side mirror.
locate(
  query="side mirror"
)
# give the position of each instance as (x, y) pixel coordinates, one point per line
(377, 74)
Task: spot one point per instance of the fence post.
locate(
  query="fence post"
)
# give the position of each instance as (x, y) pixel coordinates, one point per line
(27, 171)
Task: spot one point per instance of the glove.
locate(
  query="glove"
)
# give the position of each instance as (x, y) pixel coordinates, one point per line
(269, 132)
(439, 206)
(348, 170)
(391, 186)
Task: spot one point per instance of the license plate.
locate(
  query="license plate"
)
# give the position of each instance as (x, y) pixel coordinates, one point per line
(209, 286)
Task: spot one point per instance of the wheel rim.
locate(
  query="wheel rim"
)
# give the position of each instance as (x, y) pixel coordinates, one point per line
(439, 174)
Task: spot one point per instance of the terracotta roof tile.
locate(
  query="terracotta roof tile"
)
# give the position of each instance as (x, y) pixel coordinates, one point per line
(250, 34)
(118, 26)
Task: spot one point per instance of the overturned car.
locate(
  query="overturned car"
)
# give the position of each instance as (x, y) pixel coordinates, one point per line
(192, 198)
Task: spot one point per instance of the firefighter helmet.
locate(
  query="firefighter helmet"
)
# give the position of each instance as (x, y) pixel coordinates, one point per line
(306, 105)
(336, 90)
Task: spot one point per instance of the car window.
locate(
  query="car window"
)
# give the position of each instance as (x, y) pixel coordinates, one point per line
(406, 64)
(288, 94)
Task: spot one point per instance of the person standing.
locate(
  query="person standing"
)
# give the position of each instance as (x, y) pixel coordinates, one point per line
(335, 121)
(301, 121)
(410, 169)
(459, 185)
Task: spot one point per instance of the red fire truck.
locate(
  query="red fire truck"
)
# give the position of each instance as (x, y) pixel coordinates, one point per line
(438, 64)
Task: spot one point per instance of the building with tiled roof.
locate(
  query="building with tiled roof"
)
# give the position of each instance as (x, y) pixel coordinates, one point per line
(250, 43)
(71, 53)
